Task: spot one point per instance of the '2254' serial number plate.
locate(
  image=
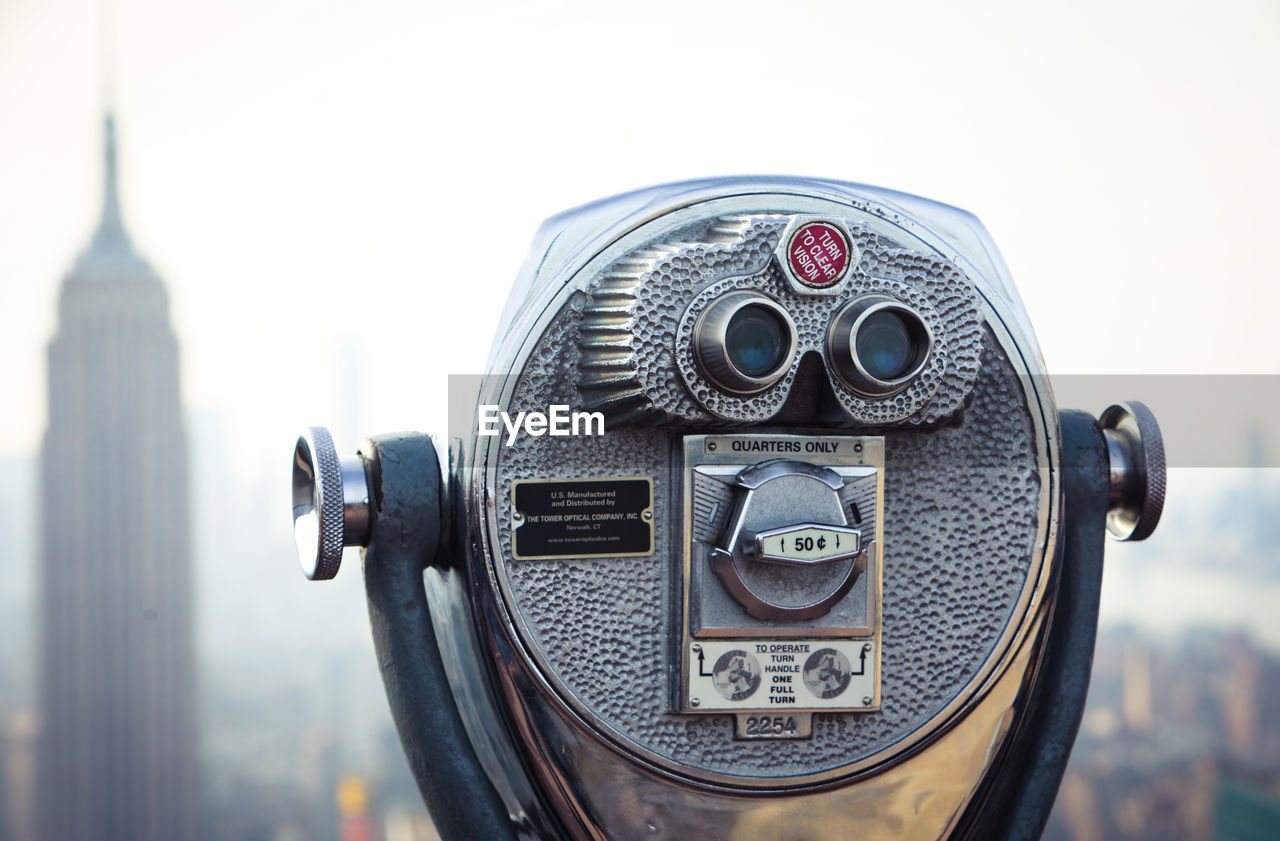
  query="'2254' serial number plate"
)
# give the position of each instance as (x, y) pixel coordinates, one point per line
(765, 727)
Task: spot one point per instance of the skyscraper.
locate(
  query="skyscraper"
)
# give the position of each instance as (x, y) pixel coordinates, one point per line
(117, 757)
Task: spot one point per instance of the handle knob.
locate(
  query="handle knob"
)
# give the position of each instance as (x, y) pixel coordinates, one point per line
(1138, 472)
(330, 503)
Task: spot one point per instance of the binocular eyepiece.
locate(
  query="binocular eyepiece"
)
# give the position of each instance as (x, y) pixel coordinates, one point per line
(787, 540)
(744, 342)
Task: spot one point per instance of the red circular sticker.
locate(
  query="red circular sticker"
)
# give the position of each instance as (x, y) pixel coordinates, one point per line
(818, 254)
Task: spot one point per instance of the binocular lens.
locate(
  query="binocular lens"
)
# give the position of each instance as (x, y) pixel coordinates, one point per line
(885, 345)
(877, 344)
(756, 340)
(744, 342)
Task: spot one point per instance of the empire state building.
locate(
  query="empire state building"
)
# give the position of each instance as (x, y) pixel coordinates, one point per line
(117, 756)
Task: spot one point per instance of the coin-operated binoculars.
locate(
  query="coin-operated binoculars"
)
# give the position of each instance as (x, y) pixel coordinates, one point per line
(765, 526)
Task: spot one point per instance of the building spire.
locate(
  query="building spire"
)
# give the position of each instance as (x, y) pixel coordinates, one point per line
(111, 237)
(111, 183)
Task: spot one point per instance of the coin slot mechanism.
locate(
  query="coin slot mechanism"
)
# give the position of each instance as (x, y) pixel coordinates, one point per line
(781, 583)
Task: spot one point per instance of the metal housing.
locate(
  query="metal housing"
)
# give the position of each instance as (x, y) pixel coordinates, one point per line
(596, 777)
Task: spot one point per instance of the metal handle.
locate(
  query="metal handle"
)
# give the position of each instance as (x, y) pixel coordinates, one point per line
(330, 503)
(1137, 474)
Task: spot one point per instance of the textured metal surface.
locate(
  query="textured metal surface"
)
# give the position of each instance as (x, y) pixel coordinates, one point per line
(961, 529)
(1017, 805)
(642, 311)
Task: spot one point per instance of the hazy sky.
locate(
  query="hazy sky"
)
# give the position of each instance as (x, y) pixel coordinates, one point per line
(320, 182)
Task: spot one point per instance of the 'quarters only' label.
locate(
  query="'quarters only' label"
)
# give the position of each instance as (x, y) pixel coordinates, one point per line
(763, 446)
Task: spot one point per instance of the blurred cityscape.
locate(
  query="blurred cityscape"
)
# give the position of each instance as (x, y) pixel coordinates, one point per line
(1181, 738)
(161, 674)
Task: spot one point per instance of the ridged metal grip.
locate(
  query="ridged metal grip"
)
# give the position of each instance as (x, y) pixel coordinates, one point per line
(1138, 470)
(330, 503)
